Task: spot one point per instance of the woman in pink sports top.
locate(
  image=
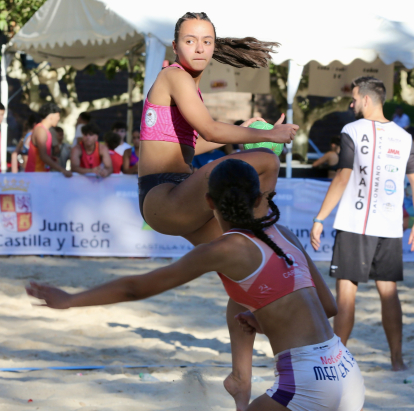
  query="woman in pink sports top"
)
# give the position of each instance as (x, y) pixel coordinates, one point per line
(265, 269)
(171, 195)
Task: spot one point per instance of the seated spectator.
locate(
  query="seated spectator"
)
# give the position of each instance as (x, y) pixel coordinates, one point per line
(112, 140)
(130, 159)
(331, 158)
(400, 118)
(205, 158)
(89, 156)
(120, 128)
(19, 156)
(83, 119)
(40, 150)
(61, 150)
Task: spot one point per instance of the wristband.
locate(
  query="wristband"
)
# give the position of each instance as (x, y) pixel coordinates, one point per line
(316, 220)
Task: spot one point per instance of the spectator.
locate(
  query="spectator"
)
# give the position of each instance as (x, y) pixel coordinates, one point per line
(120, 128)
(83, 119)
(400, 118)
(130, 158)
(40, 150)
(20, 154)
(61, 150)
(331, 158)
(112, 140)
(89, 156)
(205, 158)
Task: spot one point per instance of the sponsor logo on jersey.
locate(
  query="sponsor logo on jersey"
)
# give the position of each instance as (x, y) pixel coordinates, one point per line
(380, 129)
(393, 153)
(388, 207)
(394, 140)
(391, 168)
(390, 187)
(263, 288)
(150, 117)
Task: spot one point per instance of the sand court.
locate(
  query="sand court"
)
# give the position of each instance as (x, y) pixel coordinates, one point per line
(180, 335)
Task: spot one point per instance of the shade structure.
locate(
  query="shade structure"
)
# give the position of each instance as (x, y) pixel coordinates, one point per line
(80, 32)
(75, 33)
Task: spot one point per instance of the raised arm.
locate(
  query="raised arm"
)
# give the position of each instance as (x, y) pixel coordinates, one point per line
(202, 259)
(183, 91)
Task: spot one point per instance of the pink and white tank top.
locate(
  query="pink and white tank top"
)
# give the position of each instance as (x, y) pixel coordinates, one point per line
(165, 123)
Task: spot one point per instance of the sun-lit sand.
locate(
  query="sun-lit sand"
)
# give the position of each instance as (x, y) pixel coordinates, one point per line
(183, 327)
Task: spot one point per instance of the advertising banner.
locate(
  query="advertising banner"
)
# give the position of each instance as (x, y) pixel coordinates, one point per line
(46, 213)
(335, 79)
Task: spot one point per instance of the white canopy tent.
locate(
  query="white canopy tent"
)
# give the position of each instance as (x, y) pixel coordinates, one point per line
(79, 32)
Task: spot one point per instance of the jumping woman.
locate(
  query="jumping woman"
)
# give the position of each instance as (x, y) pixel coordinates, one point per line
(265, 269)
(175, 126)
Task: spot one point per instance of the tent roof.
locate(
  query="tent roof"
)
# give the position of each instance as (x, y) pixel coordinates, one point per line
(79, 32)
(76, 33)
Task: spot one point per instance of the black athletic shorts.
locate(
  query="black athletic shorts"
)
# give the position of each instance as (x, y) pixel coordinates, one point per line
(146, 183)
(358, 257)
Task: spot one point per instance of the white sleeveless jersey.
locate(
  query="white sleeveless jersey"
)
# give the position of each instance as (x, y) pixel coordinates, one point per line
(373, 199)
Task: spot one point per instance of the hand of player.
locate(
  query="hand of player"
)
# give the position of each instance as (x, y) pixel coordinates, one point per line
(251, 121)
(248, 323)
(53, 297)
(283, 133)
(67, 173)
(315, 235)
(411, 239)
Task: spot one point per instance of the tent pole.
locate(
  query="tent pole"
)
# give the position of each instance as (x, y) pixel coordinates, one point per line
(294, 76)
(130, 114)
(4, 99)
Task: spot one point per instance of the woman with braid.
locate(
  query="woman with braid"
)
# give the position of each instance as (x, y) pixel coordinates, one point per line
(264, 269)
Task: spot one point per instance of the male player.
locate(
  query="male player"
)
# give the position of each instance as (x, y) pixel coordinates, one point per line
(374, 158)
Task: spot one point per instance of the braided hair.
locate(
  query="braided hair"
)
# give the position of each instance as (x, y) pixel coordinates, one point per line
(245, 52)
(234, 187)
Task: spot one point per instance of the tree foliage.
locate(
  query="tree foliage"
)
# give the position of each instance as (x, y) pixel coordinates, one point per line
(14, 14)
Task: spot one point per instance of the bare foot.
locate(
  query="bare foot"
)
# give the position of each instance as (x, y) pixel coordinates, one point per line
(239, 390)
(398, 365)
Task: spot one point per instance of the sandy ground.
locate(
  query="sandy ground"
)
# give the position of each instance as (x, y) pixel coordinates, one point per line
(185, 326)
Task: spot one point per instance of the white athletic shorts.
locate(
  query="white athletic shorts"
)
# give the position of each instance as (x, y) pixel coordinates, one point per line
(318, 377)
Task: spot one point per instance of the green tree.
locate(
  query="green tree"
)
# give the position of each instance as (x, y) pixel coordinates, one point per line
(14, 14)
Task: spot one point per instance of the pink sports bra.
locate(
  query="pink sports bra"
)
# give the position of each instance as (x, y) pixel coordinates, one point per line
(165, 123)
(274, 278)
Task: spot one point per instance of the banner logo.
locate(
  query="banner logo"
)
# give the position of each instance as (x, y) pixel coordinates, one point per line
(15, 206)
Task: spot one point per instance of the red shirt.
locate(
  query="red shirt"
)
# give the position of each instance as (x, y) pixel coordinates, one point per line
(117, 161)
(90, 160)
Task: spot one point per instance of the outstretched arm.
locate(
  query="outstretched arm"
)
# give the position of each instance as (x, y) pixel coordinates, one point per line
(201, 260)
(182, 90)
